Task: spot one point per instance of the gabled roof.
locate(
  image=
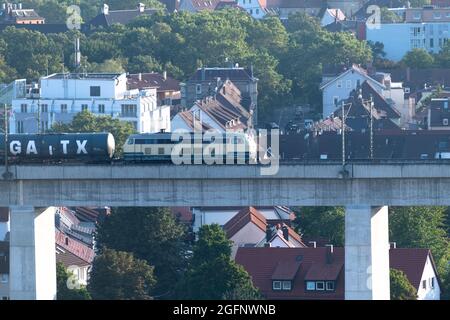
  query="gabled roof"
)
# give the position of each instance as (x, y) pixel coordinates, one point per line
(151, 80)
(263, 263)
(354, 68)
(224, 117)
(412, 262)
(119, 17)
(230, 97)
(193, 124)
(242, 218)
(69, 259)
(380, 102)
(75, 247)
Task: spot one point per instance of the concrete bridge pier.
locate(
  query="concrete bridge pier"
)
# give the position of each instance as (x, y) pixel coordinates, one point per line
(32, 253)
(366, 253)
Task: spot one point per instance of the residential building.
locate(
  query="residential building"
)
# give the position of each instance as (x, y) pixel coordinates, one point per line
(438, 114)
(249, 228)
(76, 256)
(256, 8)
(221, 215)
(348, 7)
(337, 84)
(424, 28)
(14, 13)
(222, 111)
(284, 8)
(330, 16)
(108, 17)
(319, 274)
(197, 5)
(167, 89)
(206, 81)
(59, 97)
(420, 269)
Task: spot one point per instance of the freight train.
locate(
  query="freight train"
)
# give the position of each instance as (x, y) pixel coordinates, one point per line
(58, 147)
(159, 147)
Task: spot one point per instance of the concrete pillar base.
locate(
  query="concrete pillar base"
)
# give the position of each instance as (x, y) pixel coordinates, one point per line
(32, 254)
(367, 253)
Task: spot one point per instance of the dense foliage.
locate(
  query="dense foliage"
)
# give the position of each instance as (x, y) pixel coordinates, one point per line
(212, 274)
(118, 275)
(288, 60)
(151, 234)
(64, 283)
(401, 288)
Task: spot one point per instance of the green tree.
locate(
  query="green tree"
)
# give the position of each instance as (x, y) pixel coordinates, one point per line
(388, 16)
(322, 222)
(424, 227)
(118, 275)
(401, 288)
(151, 234)
(418, 58)
(108, 66)
(212, 274)
(63, 291)
(85, 121)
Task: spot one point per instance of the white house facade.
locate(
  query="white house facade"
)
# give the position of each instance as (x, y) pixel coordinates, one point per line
(338, 88)
(255, 8)
(59, 97)
(429, 288)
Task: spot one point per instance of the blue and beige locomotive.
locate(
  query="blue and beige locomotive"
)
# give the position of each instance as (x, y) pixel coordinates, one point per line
(58, 147)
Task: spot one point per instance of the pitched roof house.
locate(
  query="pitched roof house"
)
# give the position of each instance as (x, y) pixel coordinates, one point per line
(167, 88)
(109, 17)
(319, 274)
(250, 228)
(439, 114)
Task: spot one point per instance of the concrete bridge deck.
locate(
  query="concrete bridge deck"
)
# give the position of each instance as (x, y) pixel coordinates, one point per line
(400, 184)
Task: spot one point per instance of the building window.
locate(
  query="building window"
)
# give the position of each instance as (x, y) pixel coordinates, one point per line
(198, 88)
(95, 91)
(349, 84)
(330, 285)
(320, 285)
(251, 11)
(101, 108)
(335, 100)
(129, 110)
(276, 285)
(339, 84)
(445, 122)
(287, 285)
(310, 285)
(44, 108)
(64, 108)
(257, 11)
(20, 127)
(432, 282)
(84, 107)
(437, 15)
(5, 298)
(44, 125)
(24, 108)
(431, 43)
(417, 15)
(4, 278)
(424, 284)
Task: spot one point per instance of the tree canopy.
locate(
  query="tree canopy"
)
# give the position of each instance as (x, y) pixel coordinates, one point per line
(63, 283)
(212, 274)
(118, 275)
(401, 288)
(151, 234)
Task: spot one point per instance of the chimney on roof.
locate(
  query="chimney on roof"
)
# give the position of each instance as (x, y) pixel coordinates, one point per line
(314, 243)
(330, 251)
(269, 233)
(285, 230)
(140, 76)
(141, 7)
(105, 9)
(165, 75)
(393, 245)
(20, 6)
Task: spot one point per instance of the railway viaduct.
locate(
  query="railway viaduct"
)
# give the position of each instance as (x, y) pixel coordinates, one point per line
(364, 189)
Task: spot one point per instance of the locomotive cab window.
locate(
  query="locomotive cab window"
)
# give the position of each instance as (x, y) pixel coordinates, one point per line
(130, 141)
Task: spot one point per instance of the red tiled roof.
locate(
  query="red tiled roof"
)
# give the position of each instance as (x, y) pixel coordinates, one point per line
(286, 270)
(323, 271)
(246, 215)
(151, 80)
(69, 259)
(261, 264)
(411, 261)
(77, 248)
(184, 214)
